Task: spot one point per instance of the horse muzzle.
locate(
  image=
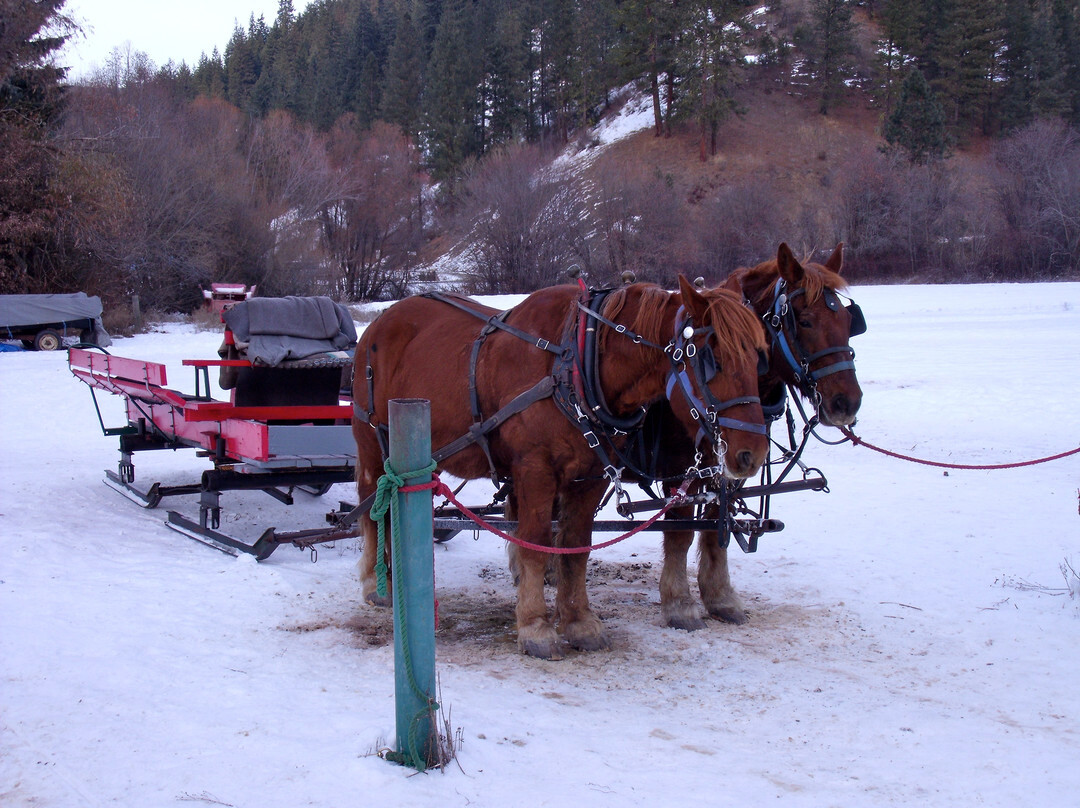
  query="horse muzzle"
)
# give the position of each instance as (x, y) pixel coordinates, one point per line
(839, 409)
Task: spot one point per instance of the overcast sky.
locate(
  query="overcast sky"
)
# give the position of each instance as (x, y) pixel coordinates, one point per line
(162, 29)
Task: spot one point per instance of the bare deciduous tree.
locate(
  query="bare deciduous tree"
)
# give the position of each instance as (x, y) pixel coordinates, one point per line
(371, 229)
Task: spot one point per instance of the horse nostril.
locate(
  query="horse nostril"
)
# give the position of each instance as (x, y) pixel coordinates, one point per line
(841, 405)
(746, 459)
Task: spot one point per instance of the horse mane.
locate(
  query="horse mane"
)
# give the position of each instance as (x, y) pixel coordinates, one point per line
(759, 281)
(736, 326)
(648, 319)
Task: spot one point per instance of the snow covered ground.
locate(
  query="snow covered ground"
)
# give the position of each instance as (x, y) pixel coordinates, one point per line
(912, 640)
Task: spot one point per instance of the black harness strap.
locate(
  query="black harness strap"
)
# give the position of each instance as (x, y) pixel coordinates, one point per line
(474, 396)
(497, 321)
(539, 391)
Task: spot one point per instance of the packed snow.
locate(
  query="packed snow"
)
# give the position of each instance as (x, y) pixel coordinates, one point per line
(912, 639)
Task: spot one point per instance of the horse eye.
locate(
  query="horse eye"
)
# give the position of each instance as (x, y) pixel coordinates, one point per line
(805, 324)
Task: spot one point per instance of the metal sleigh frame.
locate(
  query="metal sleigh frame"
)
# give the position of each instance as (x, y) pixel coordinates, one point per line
(277, 449)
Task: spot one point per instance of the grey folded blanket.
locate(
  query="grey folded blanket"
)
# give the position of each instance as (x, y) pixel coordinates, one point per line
(271, 330)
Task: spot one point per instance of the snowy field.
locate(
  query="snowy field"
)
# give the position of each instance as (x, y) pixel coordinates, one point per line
(912, 638)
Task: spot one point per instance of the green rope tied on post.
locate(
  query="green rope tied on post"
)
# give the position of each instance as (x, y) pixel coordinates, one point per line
(386, 499)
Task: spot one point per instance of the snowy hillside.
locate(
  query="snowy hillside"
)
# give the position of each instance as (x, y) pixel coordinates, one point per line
(912, 639)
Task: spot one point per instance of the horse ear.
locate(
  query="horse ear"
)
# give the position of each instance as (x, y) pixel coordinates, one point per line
(693, 301)
(733, 284)
(836, 260)
(790, 268)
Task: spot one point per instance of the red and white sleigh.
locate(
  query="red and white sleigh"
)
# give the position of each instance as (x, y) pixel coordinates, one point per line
(285, 427)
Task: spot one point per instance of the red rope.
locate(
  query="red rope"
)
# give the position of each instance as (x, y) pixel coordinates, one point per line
(857, 441)
(437, 486)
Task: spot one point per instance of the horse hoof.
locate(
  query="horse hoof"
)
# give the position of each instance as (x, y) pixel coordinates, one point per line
(685, 623)
(587, 636)
(378, 601)
(540, 649)
(729, 614)
(682, 614)
(539, 640)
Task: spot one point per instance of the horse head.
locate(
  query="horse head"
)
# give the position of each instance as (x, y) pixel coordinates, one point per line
(810, 325)
(716, 354)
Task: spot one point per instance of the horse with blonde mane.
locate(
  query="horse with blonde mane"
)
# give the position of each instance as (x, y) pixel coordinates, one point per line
(473, 363)
(808, 327)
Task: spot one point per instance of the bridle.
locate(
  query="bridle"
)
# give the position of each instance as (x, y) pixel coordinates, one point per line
(782, 327)
(707, 408)
(682, 353)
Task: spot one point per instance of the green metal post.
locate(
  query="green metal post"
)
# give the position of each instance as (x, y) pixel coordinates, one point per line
(413, 565)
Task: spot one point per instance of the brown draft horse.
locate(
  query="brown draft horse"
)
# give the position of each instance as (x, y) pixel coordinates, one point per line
(422, 348)
(816, 361)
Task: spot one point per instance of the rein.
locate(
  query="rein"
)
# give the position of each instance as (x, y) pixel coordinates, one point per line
(857, 441)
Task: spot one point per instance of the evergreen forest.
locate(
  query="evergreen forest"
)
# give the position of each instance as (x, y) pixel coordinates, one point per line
(359, 148)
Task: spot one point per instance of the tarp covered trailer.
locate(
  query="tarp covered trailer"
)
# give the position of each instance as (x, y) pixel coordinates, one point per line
(43, 322)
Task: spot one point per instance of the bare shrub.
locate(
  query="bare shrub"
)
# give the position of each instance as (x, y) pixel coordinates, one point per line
(1037, 192)
(901, 219)
(638, 223)
(743, 224)
(371, 219)
(527, 221)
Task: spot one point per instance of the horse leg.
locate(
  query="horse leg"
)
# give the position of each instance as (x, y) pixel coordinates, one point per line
(580, 625)
(510, 511)
(719, 596)
(369, 558)
(536, 633)
(677, 607)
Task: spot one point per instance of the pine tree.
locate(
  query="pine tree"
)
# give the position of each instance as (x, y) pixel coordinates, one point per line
(647, 50)
(208, 77)
(968, 47)
(31, 97)
(917, 125)
(1066, 14)
(833, 47)
(1016, 64)
(504, 83)
(708, 54)
(241, 68)
(450, 122)
(403, 79)
(900, 22)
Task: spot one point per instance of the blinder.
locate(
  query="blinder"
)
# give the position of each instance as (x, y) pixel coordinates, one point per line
(858, 321)
(707, 367)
